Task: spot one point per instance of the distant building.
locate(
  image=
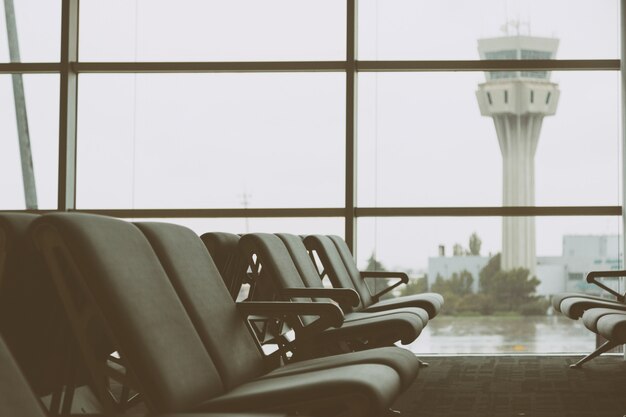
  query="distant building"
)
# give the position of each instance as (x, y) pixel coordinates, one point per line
(581, 254)
(445, 266)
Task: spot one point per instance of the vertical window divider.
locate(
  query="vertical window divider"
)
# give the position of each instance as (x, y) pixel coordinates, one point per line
(622, 31)
(68, 106)
(351, 114)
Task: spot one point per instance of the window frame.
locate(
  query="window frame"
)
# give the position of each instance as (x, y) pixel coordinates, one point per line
(70, 67)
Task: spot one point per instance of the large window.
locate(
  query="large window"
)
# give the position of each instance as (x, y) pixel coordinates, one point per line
(215, 30)
(449, 29)
(436, 137)
(210, 140)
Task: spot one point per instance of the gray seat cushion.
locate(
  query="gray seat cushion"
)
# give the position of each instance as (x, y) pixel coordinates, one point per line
(591, 317)
(401, 360)
(426, 301)
(558, 298)
(373, 387)
(574, 307)
(613, 327)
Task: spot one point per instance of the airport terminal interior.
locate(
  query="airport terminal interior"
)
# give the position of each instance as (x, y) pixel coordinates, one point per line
(325, 208)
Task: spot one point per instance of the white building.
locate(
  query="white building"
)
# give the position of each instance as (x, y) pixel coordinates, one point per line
(445, 266)
(581, 254)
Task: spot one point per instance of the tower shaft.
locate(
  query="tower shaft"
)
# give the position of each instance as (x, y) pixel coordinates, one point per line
(517, 106)
(518, 136)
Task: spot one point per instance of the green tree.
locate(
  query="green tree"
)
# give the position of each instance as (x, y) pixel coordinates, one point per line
(457, 250)
(510, 289)
(474, 244)
(492, 267)
(476, 304)
(458, 284)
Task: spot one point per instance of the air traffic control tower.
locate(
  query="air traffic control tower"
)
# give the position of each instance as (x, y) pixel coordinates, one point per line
(517, 101)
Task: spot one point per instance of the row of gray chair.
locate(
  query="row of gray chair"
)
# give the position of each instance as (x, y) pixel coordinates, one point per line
(281, 268)
(151, 293)
(338, 264)
(604, 316)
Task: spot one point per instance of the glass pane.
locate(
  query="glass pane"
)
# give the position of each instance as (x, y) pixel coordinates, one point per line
(484, 312)
(38, 25)
(455, 139)
(211, 140)
(41, 97)
(450, 29)
(216, 30)
(293, 225)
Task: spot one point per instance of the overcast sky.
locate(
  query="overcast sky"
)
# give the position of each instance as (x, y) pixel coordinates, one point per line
(205, 140)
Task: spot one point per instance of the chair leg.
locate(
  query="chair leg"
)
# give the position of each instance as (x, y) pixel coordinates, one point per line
(55, 401)
(70, 383)
(605, 347)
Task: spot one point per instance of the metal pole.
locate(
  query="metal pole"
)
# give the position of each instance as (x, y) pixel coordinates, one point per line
(351, 91)
(26, 156)
(622, 31)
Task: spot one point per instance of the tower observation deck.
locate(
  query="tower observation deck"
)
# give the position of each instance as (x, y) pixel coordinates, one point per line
(517, 101)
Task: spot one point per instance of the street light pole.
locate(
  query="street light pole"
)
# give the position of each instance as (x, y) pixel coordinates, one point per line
(26, 156)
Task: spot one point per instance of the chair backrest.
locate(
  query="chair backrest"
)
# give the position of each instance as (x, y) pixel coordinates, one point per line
(333, 265)
(353, 270)
(205, 297)
(32, 320)
(301, 259)
(16, 397)
(108, 265)
(223, 250)
(276, 265)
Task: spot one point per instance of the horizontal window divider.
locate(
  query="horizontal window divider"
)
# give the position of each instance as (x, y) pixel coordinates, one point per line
(492, 65)
(226, 212)
(29, 68)
(315, 66)
(488, 211)
(31, 211)
(359, 212)
(167, 67)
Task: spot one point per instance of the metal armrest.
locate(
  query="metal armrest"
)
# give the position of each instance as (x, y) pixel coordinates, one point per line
(592, 279)
(403, 279)
(341, 295)
(328, 313)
